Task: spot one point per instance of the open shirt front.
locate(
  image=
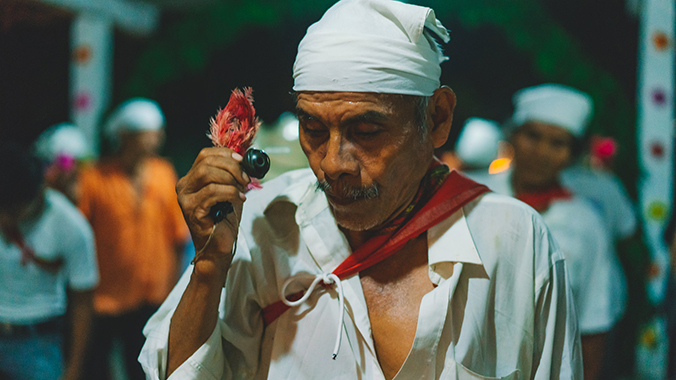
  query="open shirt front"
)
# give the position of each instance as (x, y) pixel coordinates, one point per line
(501, 309)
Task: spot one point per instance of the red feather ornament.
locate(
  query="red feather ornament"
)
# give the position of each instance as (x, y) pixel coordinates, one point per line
(235, 126)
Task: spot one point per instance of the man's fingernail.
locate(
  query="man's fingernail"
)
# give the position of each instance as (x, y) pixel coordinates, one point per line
(237, 156)
(242, 196)
(245, 176)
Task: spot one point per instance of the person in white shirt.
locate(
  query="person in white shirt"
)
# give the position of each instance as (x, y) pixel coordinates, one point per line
(425, 274)
(549, 121)
(47, 266)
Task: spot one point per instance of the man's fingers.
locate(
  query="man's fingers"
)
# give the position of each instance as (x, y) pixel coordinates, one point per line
(213, 193)
(211, 166)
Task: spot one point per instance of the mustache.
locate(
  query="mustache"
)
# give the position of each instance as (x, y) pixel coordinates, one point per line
(347, 191)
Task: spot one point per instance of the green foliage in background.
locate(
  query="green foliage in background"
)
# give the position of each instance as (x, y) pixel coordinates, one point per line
(185, 46)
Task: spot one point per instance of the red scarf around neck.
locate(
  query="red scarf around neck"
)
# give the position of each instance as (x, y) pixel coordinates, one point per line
(455, 192)
(541, 200)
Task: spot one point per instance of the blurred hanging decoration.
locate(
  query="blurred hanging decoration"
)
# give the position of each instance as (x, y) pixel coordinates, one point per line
(661, 40)
(655, 136)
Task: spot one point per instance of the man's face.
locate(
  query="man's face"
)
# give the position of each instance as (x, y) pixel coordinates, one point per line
(142, 143)
(366, 151)
(541, 151)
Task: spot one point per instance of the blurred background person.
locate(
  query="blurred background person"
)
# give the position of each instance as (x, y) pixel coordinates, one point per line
(63, 149)
(549, 122)
(479, 146)
(591, 178)
(46, 251)
(130, 201)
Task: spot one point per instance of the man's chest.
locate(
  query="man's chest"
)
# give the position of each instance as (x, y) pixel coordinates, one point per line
(393, 291)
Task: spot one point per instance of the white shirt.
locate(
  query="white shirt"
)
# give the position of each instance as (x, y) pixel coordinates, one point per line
(605, 191)
(596, 276)
(505, 312)
(29, 293)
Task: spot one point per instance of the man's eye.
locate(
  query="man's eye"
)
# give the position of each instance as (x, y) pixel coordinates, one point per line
(367, 131)
(313, 132)
(367, 134)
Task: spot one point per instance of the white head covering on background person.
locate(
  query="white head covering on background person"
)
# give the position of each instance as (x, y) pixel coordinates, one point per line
(135, 115)
(554, 104)
(380, 46)
(64, 139)
(479, 142)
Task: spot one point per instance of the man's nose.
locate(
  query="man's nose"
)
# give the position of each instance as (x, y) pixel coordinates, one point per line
(339, 158)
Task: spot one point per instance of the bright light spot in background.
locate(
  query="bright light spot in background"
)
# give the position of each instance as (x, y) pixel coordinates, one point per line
(499, 165)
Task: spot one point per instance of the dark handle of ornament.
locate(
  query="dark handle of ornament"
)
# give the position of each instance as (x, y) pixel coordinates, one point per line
(256, 164)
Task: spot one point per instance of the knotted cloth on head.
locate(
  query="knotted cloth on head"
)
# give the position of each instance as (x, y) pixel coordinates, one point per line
(135, 115)
(554, 104)
(479, 142)
(62, 139)
(381, 46)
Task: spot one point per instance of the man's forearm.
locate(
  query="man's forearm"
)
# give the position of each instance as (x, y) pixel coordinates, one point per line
(81, 307)
(196, 314)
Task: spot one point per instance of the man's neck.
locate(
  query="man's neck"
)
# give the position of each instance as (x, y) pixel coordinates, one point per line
(131, 164)
(520, 187)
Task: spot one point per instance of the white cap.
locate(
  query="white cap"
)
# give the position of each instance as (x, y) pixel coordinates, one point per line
(478, 142)
(135, 115)
(62, 139)
(553, 104)
(381, 46)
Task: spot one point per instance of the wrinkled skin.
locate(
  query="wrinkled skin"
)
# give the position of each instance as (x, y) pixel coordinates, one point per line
(359, 140)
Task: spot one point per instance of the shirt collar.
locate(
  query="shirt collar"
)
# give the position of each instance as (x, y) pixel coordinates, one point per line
(450, 242)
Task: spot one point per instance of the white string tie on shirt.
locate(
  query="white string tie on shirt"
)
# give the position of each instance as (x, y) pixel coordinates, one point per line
(326, 279)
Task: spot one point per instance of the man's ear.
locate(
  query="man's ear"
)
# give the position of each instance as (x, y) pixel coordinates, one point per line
(442, 104)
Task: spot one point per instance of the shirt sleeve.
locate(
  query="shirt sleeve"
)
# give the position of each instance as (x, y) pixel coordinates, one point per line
(153, 356)
(233, 349)
(556, 334)
(594, 272)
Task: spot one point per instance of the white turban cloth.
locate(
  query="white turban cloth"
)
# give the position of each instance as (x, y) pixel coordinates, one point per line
(381, 46)
(479, 142)
(135, 115)
(554, 104)
(62, 139)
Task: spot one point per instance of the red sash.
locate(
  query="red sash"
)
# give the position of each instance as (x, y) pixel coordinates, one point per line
(540, 201)
(456, 191)
(14, 235)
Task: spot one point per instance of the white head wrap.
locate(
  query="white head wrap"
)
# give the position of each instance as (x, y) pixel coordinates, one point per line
(553, 104)
(62, 139)
(381, 46)
(135, 115)
(478, 142)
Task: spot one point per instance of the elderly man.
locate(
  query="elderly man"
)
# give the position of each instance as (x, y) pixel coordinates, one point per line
(130, 201)
(550, 120)
(424, 273)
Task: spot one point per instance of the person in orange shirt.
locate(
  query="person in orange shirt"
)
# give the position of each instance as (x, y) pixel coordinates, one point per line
(130, 201)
